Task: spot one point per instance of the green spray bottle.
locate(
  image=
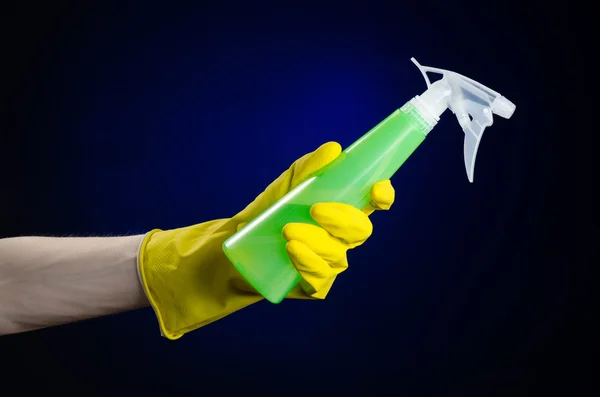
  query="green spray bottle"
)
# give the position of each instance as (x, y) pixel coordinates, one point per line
(258, 250)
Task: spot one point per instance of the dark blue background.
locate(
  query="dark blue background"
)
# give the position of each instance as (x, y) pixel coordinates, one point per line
(120, 119)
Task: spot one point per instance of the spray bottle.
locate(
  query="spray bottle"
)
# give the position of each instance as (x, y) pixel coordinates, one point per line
(258, 250)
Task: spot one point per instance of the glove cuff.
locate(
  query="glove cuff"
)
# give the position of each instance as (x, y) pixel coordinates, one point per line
(143, 281)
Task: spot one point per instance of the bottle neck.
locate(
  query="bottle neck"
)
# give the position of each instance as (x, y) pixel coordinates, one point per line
(420, 118)
(434, 101)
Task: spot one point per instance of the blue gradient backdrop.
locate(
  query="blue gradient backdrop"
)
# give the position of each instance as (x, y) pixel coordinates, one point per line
(127, 118)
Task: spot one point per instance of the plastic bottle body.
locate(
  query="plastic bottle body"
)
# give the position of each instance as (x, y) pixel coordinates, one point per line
(258, 251)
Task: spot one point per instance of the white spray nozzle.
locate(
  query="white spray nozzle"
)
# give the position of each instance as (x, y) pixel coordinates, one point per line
(471, 102)
(503, 107)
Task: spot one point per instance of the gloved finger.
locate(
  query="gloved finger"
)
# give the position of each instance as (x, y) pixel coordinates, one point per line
(315, 272)
(318, 240)
(382, 197)
(343, 221)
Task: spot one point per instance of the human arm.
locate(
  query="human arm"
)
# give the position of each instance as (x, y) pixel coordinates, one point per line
(47, 281)
(184, 273)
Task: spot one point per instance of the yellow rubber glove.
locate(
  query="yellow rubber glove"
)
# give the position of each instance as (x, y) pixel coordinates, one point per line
(190, 282)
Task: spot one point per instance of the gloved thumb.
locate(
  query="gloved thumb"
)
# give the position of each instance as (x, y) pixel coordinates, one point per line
(297, 173)
(310, 163)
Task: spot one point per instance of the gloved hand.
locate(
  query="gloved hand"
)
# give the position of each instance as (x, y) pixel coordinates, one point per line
(190, 282)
